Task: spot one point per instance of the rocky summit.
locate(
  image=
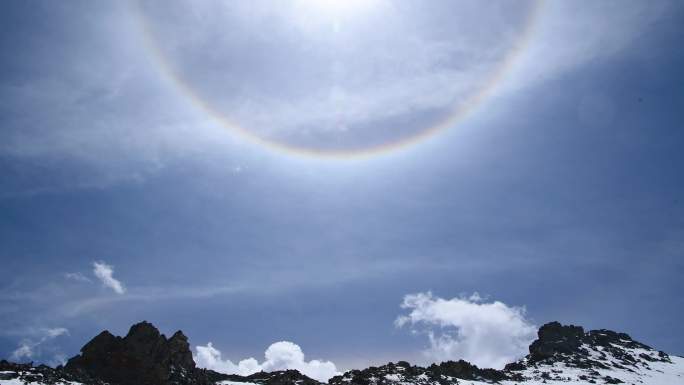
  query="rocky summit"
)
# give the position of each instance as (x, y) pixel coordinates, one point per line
(143, 356)
(560, 355)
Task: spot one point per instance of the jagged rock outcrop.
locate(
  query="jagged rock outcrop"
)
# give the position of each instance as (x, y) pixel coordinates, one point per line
(143, 357)
(566, 352)
(571, 345)
(445, 373)
(556, 338)
(467, 371)
(281, 377)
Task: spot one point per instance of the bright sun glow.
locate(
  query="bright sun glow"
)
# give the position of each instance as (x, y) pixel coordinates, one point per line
(338, 8)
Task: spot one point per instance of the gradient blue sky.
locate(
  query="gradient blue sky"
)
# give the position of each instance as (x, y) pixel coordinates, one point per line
(560, 192)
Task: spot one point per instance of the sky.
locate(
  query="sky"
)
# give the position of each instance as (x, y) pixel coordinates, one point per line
(327, 185)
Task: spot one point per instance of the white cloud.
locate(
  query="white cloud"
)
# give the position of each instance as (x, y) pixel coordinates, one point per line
(279, 356)
(78, 277)
(55, 332)
(105, 273)
(606, 27)
(488, 334)
(27, 348)
(58, 359)
(23, 351)
(210, 358)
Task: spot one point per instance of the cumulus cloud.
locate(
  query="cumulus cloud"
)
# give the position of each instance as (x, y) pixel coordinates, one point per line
(209, 357)
(488, 334)
(279, 356)
(105, 273)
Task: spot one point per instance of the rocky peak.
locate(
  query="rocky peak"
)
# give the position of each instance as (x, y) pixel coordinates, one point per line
(556, 338)
(594, 356)
(179, 351)
(179, 336)
(558, 341)
(143, 331)
(104, 341)
(143, 357)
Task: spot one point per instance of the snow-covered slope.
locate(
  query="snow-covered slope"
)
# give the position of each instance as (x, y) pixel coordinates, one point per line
(604, 357)
(561, 355)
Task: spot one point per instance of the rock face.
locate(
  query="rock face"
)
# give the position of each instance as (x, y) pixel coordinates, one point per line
(142, 357)
(597, 356)
(570, 344)
(556, 338)
(445, 373)
(281, 377)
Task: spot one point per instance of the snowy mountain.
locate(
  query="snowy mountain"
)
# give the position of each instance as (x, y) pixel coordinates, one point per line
(560, 355)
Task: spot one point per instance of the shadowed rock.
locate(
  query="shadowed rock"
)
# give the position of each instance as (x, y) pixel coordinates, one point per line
(143, 357)
(556, 338)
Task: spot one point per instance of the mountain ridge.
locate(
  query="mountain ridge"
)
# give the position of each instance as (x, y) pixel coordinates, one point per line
(561, 354)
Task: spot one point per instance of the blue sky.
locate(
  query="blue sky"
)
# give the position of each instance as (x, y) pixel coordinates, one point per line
(556, 188)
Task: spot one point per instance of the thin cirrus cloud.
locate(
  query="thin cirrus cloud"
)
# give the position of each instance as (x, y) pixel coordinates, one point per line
(281, 355)
(78, 277)
(489, 334)
(105, 273)
(405, 67)
(372, 80)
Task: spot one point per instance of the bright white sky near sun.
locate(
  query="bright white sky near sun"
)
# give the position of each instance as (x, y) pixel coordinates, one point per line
(339, 175)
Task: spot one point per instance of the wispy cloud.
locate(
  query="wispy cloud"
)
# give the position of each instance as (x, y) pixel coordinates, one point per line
(606, 27)
(489, 334)
(27, 348)
(55, 332)
(24, 350)
(281, 355)
(78, 277)
(105, 273)
(246, 284)
(399, 72)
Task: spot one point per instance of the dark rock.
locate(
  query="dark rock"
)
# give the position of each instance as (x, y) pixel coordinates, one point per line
(466, 371)
(514, 367)
(555, 338)
(179, 351)
(282, 377)
(445, 373)
(143, 357)
(611, 380)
